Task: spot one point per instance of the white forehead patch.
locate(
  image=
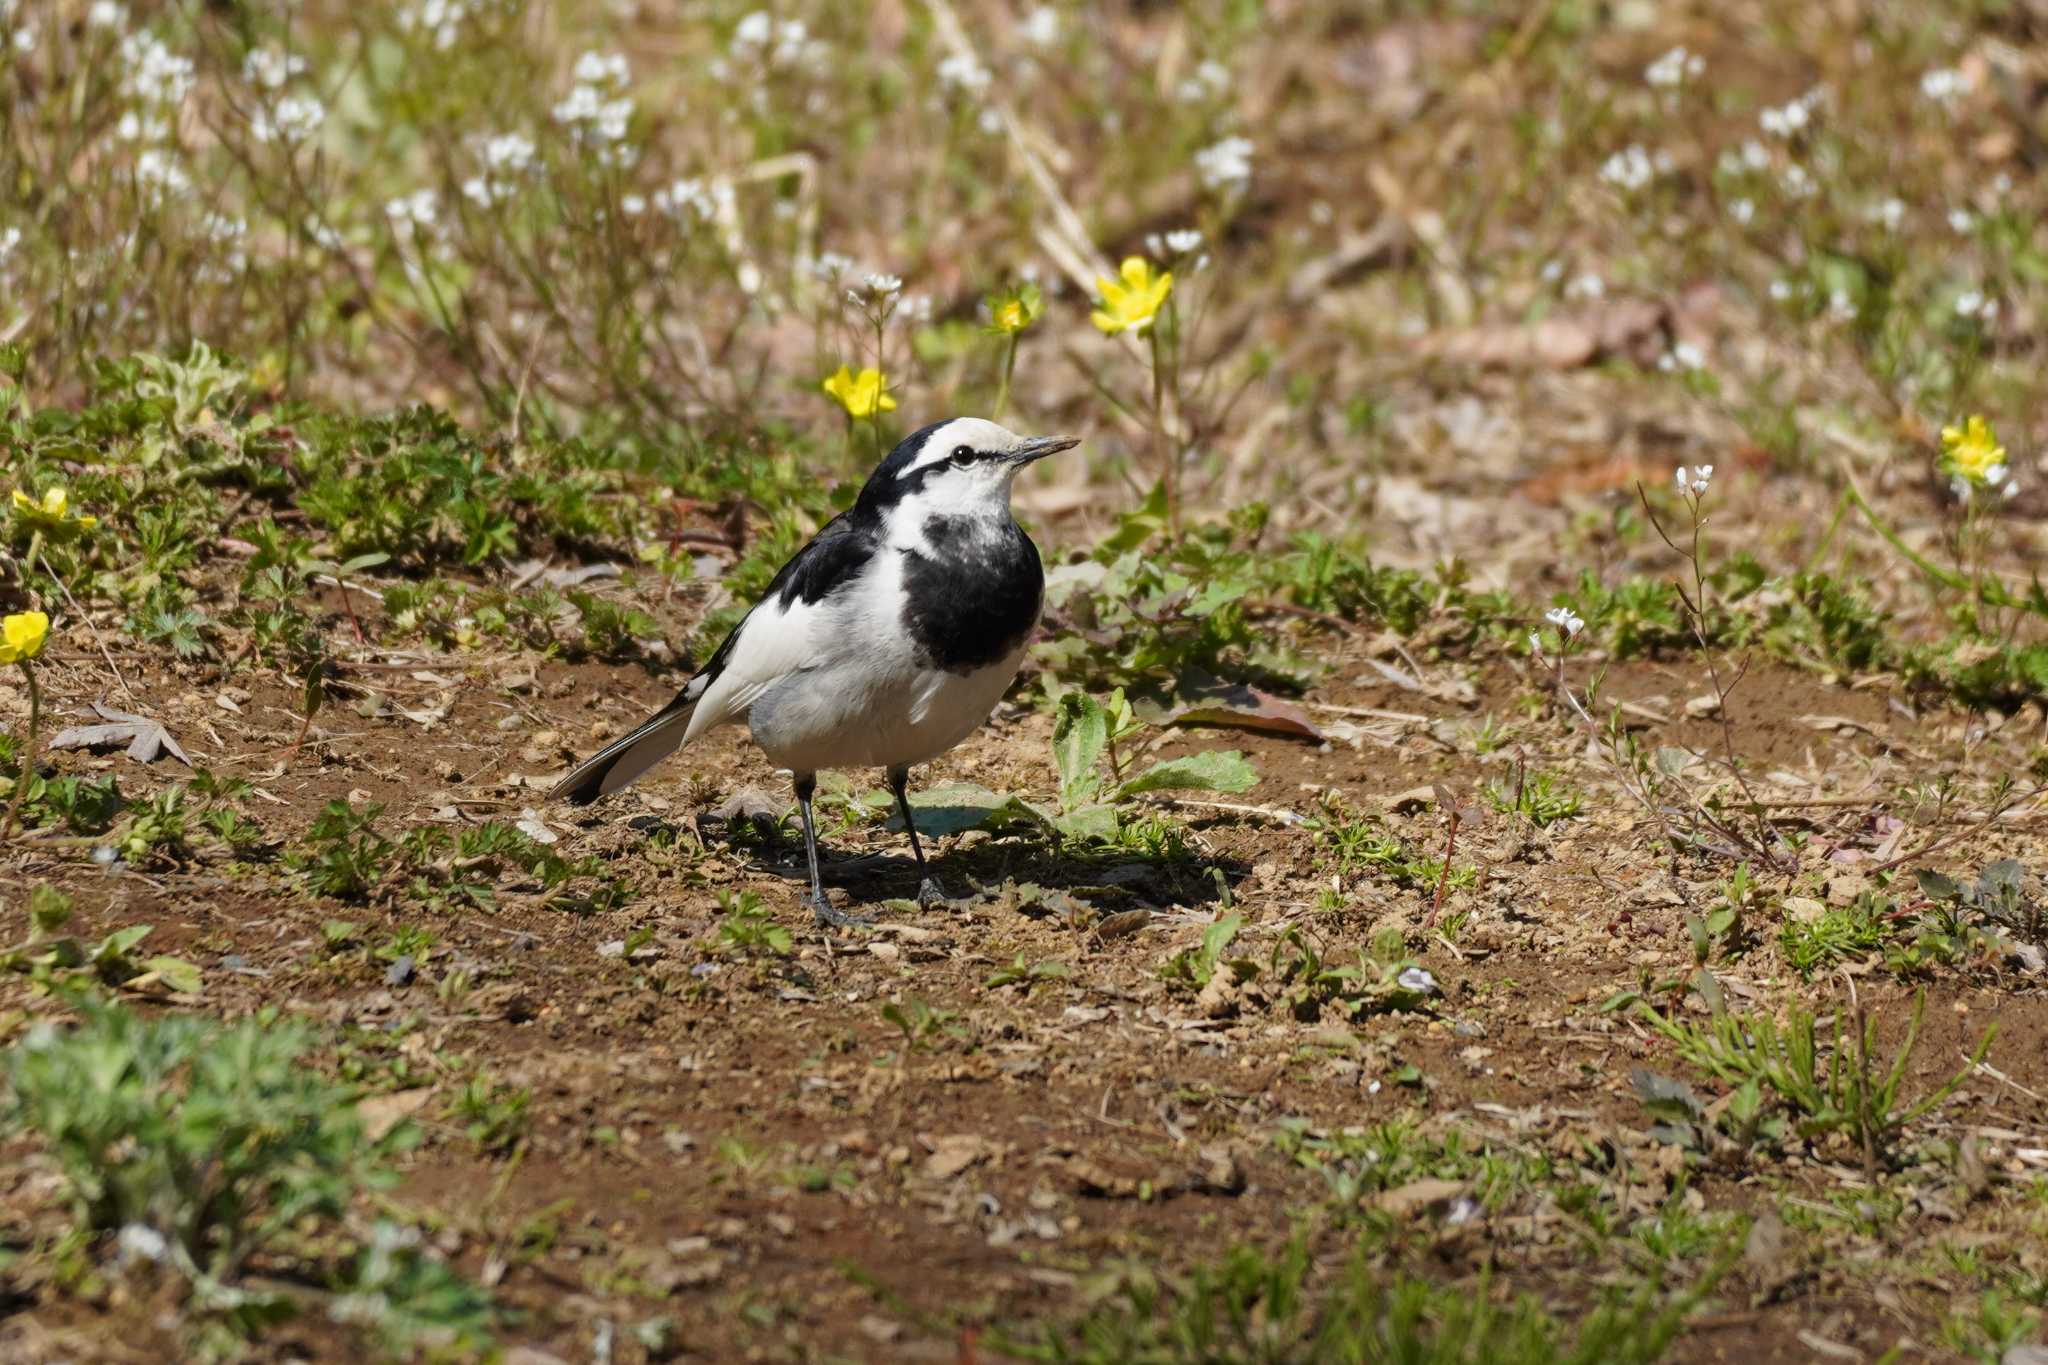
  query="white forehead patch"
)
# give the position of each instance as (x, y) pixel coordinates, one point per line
(972, 432)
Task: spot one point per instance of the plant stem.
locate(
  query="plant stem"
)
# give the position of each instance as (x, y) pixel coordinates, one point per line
(1009, 368)
(28, 752)
(1168, 473)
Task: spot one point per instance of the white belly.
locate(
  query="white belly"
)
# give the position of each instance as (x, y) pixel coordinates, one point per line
(877, 710)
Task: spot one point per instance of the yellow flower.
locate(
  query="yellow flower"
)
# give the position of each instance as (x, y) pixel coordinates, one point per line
(53, 513)
(863, 394)
(1972, 453)
(1011, 311)
(1130, 305)
(22, 636)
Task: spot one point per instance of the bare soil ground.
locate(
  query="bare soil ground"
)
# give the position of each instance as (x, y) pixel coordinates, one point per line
(747, 1145)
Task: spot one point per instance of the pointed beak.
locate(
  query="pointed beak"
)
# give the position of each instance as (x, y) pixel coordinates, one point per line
(1038, 447)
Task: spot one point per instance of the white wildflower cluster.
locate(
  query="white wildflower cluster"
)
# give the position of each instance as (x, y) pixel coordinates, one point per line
(1683, 355)
(1789, 120)
(1041, 27)
(882, 286)
(439, 21)
(597, 111)
(961, 73)
(1972, 303)
(1692, 483)
(156, 75)
(915, 308)
(1674, 69)
(1633, 167)
(505, 157)
(1226, 165)
(10, 238)
(321, 234)
(704, 200)
(1586, 286)
(158, 174)
(1997, 479)
(1945, 86)
(413, 215)
(1209, 81)
(229, 234)
(106, 14)
(1797, 181)
(760, 37)
(269, 68)
(1172, 245)
(294, 119)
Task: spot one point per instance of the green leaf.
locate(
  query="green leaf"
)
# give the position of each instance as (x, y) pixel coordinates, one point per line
(1217, 937)
(175, 972)
(115, 946)
(1213, 770)
(958, 806)
(1080, 734)
(1089, 822)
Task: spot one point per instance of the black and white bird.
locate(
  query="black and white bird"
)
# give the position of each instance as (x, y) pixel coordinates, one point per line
(883, 643)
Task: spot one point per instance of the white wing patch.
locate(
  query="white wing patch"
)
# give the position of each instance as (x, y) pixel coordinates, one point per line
(773, 643)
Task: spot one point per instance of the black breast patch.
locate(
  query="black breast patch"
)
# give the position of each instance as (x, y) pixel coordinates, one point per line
(973, 597)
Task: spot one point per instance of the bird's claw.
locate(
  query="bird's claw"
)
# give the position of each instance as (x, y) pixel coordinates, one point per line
(831, 916)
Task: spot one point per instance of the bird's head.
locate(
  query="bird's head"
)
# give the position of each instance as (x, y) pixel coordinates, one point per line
(960, 467)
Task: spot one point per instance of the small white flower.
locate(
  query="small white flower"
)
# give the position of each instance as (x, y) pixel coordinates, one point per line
(1798, 182)
(106, 14)
(961, 72)
(1742, 211)
(1969, 303)
(1226, 165)
(138, 127)
(1683, 355)
(882, 286)
(1628, 169)
(24, 40)
(1565, 619)
(1535, 643)
(1586, 286)
(1418, 980)
(321, 235)
(595, 68)
(1890, 214)
(1674, 68)
(157, 171)
(632, 205)
(752, 32)
(1841, 307)
(508, 152)
(1961, 220)
(9, 239)
(141, 1242)
(1693, 482)
(268, 68)
(1781, 290)
(1755, 156)
(410, 212)
(1944, 85)
(1181, 241)
(1210, 81)
(1041, 27)
(296, 118)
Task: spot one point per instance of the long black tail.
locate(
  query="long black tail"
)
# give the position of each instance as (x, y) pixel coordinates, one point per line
(619, 763)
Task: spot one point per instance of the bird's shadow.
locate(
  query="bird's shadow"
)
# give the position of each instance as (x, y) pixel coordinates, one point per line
(1109, 878)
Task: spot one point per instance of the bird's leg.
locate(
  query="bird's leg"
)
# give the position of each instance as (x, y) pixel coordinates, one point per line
(827, 913)
(929, 891)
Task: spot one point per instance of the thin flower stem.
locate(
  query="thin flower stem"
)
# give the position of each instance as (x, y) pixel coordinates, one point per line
(1167, 472)
(28, 752)
(1009, 368)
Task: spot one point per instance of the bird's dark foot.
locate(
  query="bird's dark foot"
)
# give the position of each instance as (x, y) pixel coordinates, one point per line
(831, 916)
(931, 894)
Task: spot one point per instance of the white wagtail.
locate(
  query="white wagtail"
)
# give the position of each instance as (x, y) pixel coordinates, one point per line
(882, 643)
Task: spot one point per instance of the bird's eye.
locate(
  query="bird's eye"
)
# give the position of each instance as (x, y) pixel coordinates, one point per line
(962, 456)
